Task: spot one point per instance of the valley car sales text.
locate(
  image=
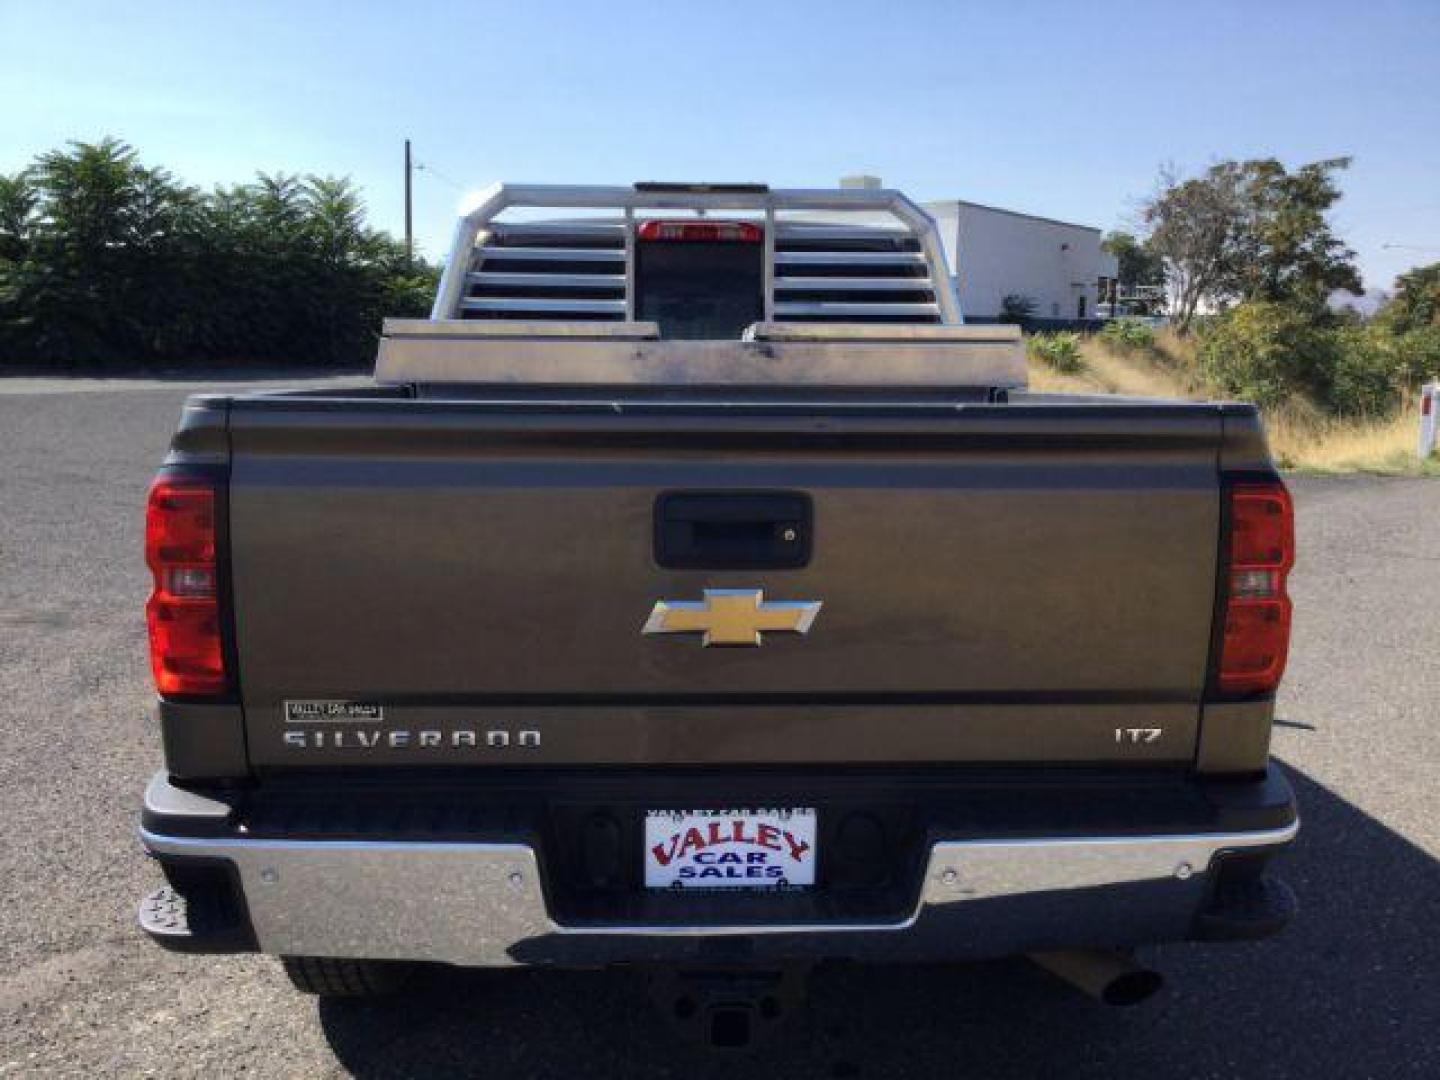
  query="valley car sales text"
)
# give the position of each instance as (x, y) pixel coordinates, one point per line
(709, 864)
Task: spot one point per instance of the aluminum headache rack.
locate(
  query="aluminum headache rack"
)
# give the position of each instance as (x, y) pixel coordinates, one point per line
(864, 302)
(889, 265)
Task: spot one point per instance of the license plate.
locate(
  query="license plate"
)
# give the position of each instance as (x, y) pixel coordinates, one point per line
(730, 849)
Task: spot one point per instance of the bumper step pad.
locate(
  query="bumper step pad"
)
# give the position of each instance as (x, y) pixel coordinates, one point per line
(1247, 910)
(198, 921)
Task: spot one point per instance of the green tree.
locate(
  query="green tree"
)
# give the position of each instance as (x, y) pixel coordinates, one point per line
(1416, 302)
(104, 260)
(18, 204)
(1284, 249)
(1192, 224)
(1138, 264)
(1251, 231)
(94, 265)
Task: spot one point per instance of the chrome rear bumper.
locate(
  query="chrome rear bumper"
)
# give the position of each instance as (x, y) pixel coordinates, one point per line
(484, 904)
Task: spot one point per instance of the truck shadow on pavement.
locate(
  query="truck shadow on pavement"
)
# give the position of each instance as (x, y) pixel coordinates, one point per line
(1350, 989)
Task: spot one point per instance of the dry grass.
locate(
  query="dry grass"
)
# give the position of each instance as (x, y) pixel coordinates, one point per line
(1301, 437)
(1109, 372)
(1339, 446)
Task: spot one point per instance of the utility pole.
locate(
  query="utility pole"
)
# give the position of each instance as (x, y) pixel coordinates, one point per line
(409, 230)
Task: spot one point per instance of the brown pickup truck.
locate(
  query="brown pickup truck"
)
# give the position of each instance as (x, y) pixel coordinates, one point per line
(695, 589)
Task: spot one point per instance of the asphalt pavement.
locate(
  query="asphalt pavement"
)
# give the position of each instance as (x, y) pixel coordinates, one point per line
(1351, 989)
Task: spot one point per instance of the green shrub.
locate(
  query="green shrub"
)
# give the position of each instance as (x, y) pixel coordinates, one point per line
(1128, 335)
(1060, 351)
(1365, 377)
(1417, 356)
(1265, 353)
(1016, 309)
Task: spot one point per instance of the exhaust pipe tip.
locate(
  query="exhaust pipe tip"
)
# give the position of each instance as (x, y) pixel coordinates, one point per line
(1132, 988)
(1112, 978)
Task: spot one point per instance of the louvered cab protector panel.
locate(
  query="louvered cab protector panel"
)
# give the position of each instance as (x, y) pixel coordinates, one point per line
(851, 274)
(543, 272)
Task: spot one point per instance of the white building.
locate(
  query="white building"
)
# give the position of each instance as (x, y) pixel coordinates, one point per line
(995, 253)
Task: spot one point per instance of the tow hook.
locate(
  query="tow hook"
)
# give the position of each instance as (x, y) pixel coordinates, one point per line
(727, 1009)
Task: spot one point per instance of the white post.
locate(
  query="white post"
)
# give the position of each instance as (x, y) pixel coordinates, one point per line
(1429, 406)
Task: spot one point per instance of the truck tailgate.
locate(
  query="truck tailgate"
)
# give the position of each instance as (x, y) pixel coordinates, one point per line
(999, 583)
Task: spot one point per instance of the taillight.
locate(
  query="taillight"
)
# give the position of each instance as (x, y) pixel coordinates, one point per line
(743, 232)
(1256, 633)
(187, 655)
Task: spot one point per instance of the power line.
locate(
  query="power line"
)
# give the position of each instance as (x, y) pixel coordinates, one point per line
(421, 166)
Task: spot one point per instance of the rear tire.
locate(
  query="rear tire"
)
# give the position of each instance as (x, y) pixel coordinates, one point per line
(332, 977)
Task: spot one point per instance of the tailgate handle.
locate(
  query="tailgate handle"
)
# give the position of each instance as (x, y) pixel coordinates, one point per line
(732, 530)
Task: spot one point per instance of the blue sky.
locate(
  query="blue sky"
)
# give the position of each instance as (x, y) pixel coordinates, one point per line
(1064, 109)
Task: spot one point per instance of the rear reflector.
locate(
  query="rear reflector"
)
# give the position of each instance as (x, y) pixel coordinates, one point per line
(1256, 634)
(742, 232)
(183, 613)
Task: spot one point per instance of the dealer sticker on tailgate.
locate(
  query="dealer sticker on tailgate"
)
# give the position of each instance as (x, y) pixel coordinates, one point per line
(729, 849)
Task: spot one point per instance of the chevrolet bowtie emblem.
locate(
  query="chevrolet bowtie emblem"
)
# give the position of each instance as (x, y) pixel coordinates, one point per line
(731, 617)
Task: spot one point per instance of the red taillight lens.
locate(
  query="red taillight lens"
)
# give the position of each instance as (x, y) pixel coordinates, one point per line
(1256, 633)
(183, 613)
(742, 232)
